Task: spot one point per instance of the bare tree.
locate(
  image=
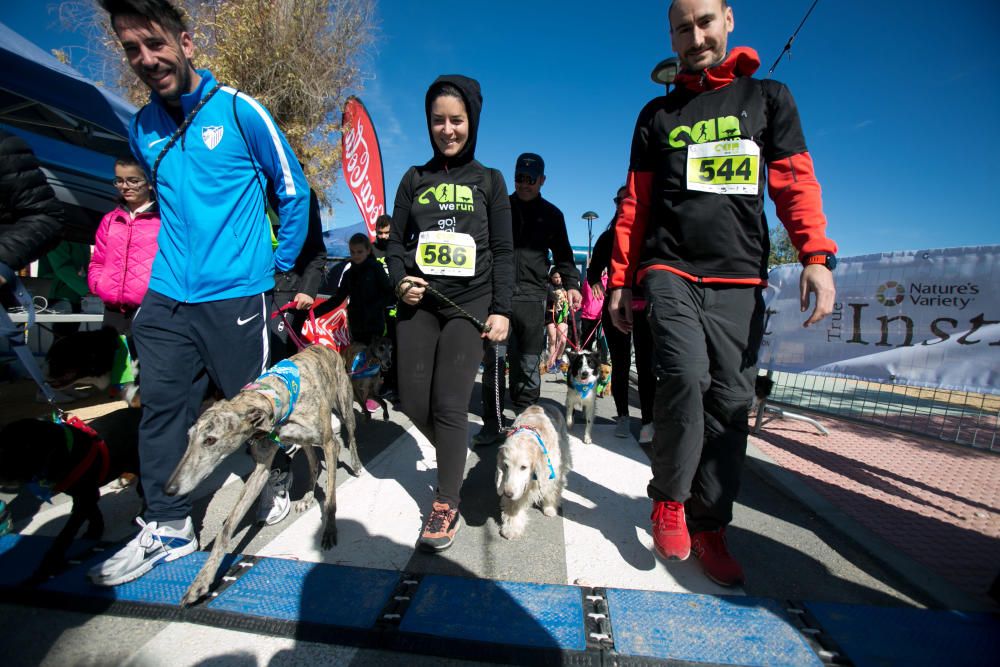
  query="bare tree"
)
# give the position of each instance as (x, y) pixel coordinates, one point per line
(782, 250)
(300, 58)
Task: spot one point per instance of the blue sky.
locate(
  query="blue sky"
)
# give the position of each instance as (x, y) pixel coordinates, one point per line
(894, 100)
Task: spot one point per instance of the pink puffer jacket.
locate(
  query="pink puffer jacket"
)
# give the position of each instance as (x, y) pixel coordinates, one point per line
(591, 306)
(124, 249)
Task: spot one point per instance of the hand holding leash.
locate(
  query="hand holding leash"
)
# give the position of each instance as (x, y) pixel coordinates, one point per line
(411, 290)
(496, 328)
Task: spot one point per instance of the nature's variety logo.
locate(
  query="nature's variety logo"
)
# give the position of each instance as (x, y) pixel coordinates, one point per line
(890, 293)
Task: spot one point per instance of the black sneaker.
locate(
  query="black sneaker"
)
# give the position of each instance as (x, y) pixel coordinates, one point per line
(439, 531)
(488, 437)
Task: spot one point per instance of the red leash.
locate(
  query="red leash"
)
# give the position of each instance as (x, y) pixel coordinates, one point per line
(299, 343)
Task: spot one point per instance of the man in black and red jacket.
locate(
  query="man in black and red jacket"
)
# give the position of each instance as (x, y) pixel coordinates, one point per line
(693, 231)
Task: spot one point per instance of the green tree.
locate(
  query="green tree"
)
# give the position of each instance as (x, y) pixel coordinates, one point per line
(300, 58)
(782, 250)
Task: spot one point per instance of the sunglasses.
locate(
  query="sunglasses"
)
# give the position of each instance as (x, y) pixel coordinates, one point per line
(525, 178)
(132, 182)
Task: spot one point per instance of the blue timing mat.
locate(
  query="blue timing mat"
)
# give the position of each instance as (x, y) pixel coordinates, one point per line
(309, 592)
(498, 612)
(703, 628)
(522, 623)
(878, 636)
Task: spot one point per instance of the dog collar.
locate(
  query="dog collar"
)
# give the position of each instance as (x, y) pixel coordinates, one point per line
(288, 373)
(363, 367)
(45, 490)
(541, 443)
(584, 389)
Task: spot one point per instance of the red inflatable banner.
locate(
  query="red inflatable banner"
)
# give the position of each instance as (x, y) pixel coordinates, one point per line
(362, 161)
(329, 330)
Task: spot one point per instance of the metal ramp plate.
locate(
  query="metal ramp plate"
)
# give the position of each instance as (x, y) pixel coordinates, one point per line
(314, 593)
(497, 612)
(703, 628)
(879, 636)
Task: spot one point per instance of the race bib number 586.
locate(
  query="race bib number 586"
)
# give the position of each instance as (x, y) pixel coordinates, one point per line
(446, 254)
(726, 167)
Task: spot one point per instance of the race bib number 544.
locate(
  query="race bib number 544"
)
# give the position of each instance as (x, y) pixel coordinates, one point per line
(725, 167)
(446, 254)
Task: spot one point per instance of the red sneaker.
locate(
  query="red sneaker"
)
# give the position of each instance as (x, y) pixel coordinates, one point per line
(710, 549)
(670, 533)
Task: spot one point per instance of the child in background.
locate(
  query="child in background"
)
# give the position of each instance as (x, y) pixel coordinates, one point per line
(369, 289)
(125, 246)
(557, 325)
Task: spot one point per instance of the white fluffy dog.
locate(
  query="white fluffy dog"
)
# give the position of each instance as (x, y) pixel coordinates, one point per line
(532, 465)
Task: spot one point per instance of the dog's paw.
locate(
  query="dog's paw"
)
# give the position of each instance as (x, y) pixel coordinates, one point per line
(511, 533)
(587, 439)
(305, 503)
(329, 539)
(549, 510)
(197, 590)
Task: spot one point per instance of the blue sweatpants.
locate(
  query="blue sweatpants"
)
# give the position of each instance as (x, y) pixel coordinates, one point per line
(183, 345)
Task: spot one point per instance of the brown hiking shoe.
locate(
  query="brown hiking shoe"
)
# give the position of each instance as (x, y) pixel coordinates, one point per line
(439, 531)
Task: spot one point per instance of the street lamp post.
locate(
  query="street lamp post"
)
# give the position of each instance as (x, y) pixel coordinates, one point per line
(590, 216)
(666, 71)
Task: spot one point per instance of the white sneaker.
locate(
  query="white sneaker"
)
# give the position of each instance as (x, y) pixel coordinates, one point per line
(646, 434)
(275, 502)
(622, 427)
(154, 544)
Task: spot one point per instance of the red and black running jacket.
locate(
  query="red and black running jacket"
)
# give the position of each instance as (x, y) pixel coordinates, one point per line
(709, 237)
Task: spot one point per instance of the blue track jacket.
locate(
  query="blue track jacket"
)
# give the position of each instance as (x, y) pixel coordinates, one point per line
(215, 238)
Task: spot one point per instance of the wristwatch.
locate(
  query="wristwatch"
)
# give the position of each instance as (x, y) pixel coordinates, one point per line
(827, 259)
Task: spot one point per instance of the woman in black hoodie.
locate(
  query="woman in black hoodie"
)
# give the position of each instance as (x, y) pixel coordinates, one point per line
(450, 258)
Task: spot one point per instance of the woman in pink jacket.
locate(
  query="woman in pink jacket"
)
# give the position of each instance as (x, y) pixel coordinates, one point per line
(125, 246)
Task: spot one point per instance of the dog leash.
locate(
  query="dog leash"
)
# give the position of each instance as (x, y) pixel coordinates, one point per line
(541, 443)
(409, 284)
(282, 312)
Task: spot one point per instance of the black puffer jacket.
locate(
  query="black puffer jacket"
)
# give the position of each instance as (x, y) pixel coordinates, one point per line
(30, 216)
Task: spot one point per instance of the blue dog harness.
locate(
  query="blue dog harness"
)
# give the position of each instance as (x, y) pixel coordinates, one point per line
(538, 437)
(288, 373)
(363, 367)
(584, 388)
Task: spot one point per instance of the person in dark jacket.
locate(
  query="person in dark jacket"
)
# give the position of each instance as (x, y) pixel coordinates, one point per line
(295, 291)
(621, 344)
(538, 228)
(368, 287)
(450, 258)
(31, 218)
(692, 230)
(299, 286)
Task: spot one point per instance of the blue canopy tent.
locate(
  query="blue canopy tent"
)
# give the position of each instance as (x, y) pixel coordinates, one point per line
(75, 127)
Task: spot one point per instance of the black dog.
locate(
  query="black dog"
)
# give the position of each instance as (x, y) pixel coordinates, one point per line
(89, 356)
(63, 458)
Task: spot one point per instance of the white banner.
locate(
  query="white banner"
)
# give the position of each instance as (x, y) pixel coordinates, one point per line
(929, 318)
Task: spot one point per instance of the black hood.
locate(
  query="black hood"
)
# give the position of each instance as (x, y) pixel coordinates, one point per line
(473, 98)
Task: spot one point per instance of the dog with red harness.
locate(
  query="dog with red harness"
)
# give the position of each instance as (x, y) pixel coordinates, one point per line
(66, 455)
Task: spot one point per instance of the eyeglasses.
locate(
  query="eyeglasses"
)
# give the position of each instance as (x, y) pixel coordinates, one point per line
(132, 182)
(525, 178)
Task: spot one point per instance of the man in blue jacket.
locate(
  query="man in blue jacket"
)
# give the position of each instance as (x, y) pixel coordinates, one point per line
(210, 152)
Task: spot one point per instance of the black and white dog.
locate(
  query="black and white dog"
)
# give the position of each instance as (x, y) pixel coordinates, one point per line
(584, 372)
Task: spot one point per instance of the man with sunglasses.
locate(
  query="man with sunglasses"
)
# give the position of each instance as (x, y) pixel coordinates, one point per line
(538, 228)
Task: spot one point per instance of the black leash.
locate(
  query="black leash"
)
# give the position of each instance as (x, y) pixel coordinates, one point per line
(179, 132)
(406, 285)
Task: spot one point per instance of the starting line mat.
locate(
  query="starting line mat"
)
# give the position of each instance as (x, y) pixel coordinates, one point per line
(504, 621)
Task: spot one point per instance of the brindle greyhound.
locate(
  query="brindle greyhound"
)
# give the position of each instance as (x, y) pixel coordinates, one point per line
(293, 400)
